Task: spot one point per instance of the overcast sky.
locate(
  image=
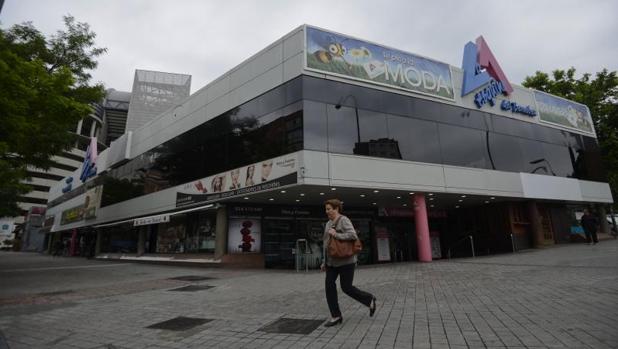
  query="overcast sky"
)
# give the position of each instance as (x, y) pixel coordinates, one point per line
(207, 38)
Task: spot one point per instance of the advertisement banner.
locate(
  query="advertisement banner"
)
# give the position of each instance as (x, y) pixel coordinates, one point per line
(351, 58)
(92, 202)
(72, 215)
(560, 111)
(244, 235)
(264, 175)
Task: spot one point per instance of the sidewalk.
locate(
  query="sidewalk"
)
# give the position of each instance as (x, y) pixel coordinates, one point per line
(560, 297)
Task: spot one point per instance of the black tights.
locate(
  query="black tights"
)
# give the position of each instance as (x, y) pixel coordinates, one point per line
(347, 276)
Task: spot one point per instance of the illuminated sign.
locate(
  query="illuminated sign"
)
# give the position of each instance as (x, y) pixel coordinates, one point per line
(89, 167)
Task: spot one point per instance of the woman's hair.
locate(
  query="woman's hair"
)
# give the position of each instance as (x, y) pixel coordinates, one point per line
(336, 204)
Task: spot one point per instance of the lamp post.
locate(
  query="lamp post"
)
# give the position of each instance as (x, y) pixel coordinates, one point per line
(545, 161)
(338, 106)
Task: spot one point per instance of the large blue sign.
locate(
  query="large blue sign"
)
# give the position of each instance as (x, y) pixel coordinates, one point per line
(89, 167)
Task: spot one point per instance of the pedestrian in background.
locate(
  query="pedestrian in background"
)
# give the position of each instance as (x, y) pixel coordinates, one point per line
(590, 224)
(340, 227)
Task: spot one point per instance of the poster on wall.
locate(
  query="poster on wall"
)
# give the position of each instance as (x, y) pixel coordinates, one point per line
(244, 235)
(263, 175)
(383, 245)
(92, 202)
(562, 112)
(337, 54)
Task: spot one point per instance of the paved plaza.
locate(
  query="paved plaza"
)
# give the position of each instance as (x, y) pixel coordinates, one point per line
(560, 297)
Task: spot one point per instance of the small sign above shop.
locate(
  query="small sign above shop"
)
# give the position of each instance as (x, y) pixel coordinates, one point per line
(151, 220)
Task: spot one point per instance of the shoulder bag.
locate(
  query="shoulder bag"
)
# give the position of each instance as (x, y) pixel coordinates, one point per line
(343, 248)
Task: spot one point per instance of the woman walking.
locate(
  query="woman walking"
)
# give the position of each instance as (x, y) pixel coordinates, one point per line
(340, 227)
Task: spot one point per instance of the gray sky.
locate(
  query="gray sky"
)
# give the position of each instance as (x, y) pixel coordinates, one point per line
(207, 38)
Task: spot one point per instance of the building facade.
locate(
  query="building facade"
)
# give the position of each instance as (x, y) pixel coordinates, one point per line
(430, 160)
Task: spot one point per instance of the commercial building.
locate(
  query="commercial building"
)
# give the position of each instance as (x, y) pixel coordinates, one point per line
(424, 155)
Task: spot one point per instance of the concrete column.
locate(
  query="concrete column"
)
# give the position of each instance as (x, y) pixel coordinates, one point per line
(97, 247)
(423, 241)
(141, 240)
(221, 232)
(538, 240)
(603, 226)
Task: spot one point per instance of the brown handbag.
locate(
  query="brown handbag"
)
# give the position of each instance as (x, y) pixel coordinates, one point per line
(343, 248)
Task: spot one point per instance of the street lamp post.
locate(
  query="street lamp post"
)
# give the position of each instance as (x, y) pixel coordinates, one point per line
(338, 106)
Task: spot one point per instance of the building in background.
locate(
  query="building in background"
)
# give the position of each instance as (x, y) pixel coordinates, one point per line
(153, 93)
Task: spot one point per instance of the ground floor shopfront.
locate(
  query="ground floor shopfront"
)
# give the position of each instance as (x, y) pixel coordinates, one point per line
(258, 232)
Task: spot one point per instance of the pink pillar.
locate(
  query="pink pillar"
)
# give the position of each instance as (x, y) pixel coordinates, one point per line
(422, 228)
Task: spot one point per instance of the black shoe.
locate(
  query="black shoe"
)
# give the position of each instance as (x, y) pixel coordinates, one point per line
(372, 306)
(333, 322)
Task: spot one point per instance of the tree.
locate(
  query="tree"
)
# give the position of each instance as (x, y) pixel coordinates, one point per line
(44, 92)
(601, 96)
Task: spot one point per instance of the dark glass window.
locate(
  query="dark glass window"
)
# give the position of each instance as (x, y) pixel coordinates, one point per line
(416, 139)
(463, 146)
(533, 157)
(262, 128)
(558, 160)
(315, 126)
(374, 140)
(505, 152)
(342, 132)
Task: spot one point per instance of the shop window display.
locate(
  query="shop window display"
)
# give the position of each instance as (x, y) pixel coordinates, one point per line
(171, 237)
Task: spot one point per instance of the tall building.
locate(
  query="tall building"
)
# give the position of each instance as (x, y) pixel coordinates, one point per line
(153, 93)
(430, 160)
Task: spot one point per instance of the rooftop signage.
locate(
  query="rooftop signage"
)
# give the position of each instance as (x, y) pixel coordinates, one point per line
(482, 70)
(89, 167)
(344, 56)
(562, 112)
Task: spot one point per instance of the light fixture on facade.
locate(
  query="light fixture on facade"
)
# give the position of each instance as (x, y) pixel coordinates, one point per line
(283, 192)
(493, 198)
(463, 196)
(431, 206)
(373, 203)
(376, 191)
(460, 200)
(486, 202)
(271, 199)
(404, 205)
(321, 193)
(297, 200)
(411, 193)
(399, 197)
(302, 194)
(246, 198)
(333, 188)
(430, 199)
(362, 195)
(457, 206)
(430, 194)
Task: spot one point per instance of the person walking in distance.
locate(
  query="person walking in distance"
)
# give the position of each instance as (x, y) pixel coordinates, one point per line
(340, 227)
(590, 224)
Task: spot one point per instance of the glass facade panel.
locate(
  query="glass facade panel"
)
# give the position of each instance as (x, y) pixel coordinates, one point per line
(463, 146)
(418, 140)
(315, 126)
(505, 152)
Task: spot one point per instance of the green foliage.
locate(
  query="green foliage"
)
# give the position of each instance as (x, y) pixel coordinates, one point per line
(44, 92)
(601, 96)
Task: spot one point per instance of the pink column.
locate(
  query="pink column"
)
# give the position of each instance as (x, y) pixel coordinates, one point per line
(422, 228)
